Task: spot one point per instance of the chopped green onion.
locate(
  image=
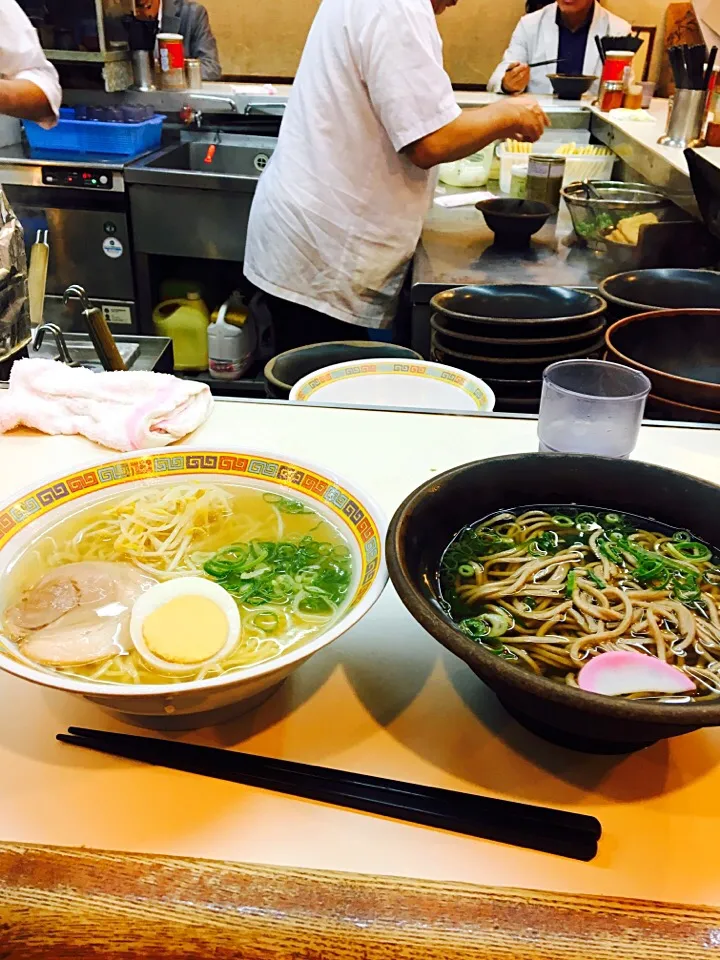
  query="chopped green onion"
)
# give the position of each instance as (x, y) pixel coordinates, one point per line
(598, 581)
(268, 621)
(261, 572)
(560, 520)
(689, 550)
(586, 522)
(285, 504)
(466, 570)
(544, 543)
(318, 604)
(475, 628)
(571, 580)
(486, 625)
(612, 519)
(609, 550)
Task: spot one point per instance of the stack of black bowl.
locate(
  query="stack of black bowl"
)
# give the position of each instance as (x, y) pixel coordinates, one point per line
(507, 334)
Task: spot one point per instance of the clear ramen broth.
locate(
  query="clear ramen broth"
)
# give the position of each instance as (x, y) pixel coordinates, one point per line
(550, 588)
(287, 568)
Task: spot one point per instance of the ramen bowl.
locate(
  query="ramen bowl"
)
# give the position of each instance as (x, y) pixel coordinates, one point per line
(432, 515)
(193, 703)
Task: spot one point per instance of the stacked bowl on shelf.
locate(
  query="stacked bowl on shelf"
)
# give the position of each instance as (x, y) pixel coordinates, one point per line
(667, 324)
(507, 334)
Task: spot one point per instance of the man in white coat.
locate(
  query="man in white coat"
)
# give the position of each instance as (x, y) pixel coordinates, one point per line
(566, 30)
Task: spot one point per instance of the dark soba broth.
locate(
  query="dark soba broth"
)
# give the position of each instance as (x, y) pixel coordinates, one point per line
(549, 588)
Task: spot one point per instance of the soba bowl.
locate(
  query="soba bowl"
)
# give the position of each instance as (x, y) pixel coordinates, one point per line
(432, 516)
(31, 514)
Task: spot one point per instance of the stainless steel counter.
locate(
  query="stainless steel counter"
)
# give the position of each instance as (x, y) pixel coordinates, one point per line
(457, 247)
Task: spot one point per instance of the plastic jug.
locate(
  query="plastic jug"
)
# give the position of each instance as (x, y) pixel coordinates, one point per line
(231, 346)
(185, 321)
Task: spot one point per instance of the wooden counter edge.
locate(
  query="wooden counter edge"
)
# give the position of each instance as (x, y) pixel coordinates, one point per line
(72, 904)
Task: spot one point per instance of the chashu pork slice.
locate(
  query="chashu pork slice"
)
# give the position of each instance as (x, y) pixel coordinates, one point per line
(77, 614)
(80, 637)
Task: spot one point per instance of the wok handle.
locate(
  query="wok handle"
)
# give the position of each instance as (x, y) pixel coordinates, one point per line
(103, 340)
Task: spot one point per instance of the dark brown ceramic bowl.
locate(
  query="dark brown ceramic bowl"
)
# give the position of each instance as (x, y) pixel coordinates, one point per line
(513, 346)
(520, 390)
(679, 350)
(284, 370)
(663, 409)
(509, 367)
(672, 288)
(514, 221)
(433, 514)
(519, 308)
(570, 88)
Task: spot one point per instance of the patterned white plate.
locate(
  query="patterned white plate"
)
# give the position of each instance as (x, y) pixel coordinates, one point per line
(421, 385)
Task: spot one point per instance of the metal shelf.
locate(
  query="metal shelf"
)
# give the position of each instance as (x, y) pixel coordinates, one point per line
(87, 56)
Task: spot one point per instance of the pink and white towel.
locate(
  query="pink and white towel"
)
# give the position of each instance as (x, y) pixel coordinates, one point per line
(124, 410)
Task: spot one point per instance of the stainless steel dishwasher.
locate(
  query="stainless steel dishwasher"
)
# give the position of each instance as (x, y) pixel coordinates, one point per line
(80, 200)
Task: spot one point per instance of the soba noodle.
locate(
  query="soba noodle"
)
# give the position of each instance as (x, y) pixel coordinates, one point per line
(549, 589)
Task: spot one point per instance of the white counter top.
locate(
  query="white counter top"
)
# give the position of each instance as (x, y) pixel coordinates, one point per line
(384, 699)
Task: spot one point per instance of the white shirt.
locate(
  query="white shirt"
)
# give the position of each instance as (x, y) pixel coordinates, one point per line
(536, 38)
(22, 57)
(339, 210)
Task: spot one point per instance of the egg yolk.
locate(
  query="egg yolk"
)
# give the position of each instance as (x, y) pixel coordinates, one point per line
(189, 629)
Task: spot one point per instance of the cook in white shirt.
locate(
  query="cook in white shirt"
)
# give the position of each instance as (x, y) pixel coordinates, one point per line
(29, 85)
(339, 210)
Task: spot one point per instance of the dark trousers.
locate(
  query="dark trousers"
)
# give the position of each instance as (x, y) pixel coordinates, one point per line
(296, 325)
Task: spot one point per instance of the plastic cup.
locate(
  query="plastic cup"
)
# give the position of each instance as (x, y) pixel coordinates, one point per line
(591, 406)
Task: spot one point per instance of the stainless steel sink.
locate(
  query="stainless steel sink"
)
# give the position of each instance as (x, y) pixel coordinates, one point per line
(183, 206)
(138, 352)
(234, 163)
(82, 351)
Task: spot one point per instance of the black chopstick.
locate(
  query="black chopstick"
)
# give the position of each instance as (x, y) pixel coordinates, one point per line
(553, 831)
(252, 764)
(544, 63)
(601, 50)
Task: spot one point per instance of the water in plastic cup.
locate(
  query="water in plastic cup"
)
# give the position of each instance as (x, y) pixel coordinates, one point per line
(591, 406)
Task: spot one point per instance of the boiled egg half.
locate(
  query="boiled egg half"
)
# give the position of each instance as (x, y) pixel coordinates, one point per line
(183, 625)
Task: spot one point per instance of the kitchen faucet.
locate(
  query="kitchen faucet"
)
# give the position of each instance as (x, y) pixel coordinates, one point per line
(190, 115)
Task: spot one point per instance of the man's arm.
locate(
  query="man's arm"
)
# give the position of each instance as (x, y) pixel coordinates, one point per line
(521, 118)
(517, 54)
(31, 89)
(204, 46)
(25, 100)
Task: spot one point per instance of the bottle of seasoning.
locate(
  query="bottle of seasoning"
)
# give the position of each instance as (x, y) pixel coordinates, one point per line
(544, 179)
(613, 95)
(193, 74)
(633, 99)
